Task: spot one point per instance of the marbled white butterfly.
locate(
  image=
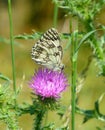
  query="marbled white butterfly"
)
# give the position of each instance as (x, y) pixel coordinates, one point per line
(47, 51)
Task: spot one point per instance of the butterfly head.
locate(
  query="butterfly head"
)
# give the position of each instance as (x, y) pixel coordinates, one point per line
(60, 68)
(56, 67)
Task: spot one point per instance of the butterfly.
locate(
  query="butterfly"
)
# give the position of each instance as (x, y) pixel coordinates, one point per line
(47, 51)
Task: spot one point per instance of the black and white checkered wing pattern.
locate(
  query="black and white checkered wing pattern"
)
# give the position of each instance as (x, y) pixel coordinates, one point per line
(48, 51)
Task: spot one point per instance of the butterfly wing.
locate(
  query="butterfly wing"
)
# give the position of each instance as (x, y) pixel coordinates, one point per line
(47, 51)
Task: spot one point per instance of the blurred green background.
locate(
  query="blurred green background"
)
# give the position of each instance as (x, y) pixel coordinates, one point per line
(37, 15)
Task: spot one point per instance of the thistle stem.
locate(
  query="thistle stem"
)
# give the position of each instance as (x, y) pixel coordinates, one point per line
(74, 77)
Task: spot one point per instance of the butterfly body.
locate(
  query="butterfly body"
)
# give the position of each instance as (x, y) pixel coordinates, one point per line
(47, 51)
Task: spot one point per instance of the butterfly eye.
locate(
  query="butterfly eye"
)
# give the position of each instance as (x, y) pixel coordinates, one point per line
(62, 68)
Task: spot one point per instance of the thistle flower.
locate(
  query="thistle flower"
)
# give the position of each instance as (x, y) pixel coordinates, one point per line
(48, 83)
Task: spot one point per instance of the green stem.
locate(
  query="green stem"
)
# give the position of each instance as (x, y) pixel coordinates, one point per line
(55, 15)
(12, 46)
(74, 76)
(38, 121)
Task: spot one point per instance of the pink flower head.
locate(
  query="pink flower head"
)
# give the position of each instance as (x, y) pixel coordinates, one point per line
(48, 83)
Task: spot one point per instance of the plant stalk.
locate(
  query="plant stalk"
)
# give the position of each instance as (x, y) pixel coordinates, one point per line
(12, 45)
(55, 18)
(74, 77)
